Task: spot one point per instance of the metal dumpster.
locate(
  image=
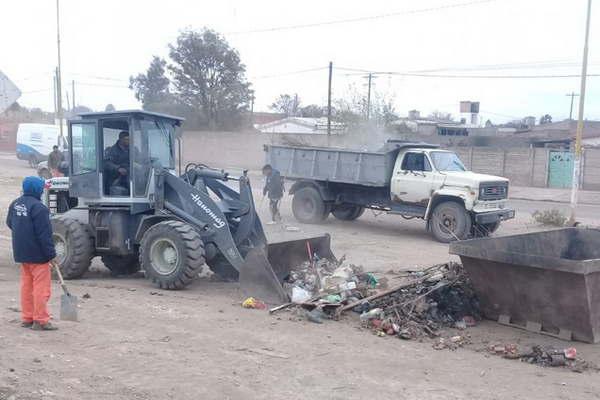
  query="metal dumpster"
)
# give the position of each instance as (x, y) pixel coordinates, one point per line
(546, 282)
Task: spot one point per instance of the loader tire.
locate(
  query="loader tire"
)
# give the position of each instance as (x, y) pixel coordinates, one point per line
(308, 206)
(220, 266)
(449, 222)
(348, 212)
(172, 254)
(121, 265)
(74, 246)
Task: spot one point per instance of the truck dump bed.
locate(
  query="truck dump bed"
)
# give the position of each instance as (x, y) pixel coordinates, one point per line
(368, 168)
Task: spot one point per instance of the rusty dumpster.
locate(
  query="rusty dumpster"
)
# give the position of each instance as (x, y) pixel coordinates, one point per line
(546, 282)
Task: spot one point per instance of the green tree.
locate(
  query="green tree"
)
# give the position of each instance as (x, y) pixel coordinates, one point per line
(545, 119)
(152, 87)
(208, 76)
(109, 108)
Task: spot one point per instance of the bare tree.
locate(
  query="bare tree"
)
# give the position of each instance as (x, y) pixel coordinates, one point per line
(287, 104)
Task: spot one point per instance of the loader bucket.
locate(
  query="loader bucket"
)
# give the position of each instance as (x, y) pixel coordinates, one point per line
(545, 282)
(262, 274)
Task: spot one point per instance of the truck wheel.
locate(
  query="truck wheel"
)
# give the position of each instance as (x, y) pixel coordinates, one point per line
(450, 221)
(348, 212)
(74, 246)
(171, 254)
(308, 207)
(121, 265)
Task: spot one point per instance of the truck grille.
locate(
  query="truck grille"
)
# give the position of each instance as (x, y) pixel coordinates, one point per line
(493, 191)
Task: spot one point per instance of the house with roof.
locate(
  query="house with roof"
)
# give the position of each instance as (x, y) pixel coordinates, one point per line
(301, 126)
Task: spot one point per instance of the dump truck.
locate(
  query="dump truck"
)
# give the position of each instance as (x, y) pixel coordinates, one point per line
(137, 212)
(413, 180)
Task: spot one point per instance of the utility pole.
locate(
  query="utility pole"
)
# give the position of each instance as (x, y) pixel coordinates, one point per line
(59, 113)
(579, 134)
(370, 77)
(572, 95)
(54, 93)
(252, 110)
(73, 92)
(329, 104)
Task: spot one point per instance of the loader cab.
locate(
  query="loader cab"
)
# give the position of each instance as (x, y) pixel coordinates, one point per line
(112, 155)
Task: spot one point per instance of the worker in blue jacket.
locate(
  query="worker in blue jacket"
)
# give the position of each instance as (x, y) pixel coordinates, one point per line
(29, 220)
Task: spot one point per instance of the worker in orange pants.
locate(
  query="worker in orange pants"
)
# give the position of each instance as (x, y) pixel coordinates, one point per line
(29, 220)
(35, 293)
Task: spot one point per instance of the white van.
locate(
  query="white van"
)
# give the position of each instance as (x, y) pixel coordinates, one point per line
(35, 141)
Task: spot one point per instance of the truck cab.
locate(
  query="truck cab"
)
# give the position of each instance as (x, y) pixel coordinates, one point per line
(429, 177)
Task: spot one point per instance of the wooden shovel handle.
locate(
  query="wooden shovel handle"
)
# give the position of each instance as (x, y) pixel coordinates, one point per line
(60, 277)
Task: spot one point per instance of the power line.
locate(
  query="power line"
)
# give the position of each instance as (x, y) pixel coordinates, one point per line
(525, 65)
(101, 85)
(360, 71)
(361, 19)
(37, 91)
(104, 78)
(289, 73)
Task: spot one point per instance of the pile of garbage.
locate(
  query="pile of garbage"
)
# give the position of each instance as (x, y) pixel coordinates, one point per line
(329, 281)
(543, 356)
(438, 297)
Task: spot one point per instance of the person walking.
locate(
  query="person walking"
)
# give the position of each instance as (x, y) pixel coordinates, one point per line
(55, 158)
(29, 220)
(274, 189)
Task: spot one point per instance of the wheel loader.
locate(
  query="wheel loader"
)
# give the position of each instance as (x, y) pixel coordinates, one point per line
(134, 210)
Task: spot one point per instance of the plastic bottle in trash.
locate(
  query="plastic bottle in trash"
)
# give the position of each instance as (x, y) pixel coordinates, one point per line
(350, 285)
(372, 314)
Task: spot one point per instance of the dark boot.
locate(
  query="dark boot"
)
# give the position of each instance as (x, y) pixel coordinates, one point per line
(25, 324)
(45, 327)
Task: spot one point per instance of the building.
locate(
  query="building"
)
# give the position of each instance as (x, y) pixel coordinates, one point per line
(301, 126)
(266, 117)
(562, 134)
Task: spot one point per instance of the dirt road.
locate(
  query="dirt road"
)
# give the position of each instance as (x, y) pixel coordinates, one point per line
(137, 342)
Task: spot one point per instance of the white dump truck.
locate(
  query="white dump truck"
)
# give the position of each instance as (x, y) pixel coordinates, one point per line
(413, 180)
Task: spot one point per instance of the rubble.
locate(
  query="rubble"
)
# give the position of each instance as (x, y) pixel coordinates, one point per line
(543, 356)
(440, 296)
(432, 299)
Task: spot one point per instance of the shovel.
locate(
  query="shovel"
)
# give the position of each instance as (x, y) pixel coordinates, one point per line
(68, 302)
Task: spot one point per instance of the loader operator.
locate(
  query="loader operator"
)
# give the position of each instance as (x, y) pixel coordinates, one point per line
(274, 189)
(116, 165)
(33, 247)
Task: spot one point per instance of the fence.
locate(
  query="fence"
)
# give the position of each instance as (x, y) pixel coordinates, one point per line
(537, 167)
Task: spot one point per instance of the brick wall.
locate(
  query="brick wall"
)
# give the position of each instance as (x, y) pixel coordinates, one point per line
(523, 166)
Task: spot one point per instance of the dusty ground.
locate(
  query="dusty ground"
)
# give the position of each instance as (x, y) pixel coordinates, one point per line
(135, 342)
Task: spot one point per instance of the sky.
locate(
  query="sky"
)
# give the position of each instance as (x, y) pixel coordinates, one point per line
(104, 42)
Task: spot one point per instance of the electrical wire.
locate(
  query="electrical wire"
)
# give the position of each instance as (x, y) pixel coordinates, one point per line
(361, 19)
(37, 91)
(360, 71)
(289, 73)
